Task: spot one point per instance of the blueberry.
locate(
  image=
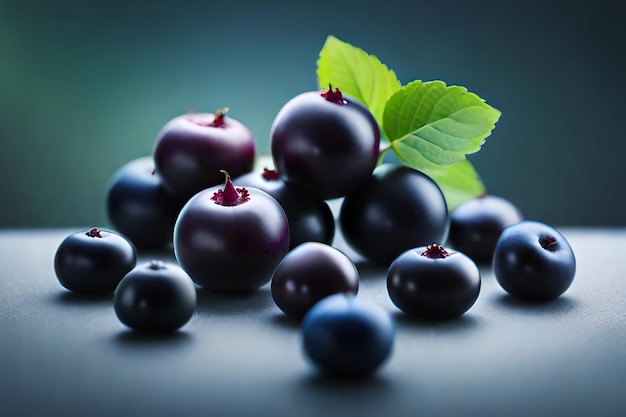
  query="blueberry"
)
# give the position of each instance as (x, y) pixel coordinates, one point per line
(310, 218)
(231, 238)
(310, 272)
(533, 261)
(345, 335)
(94, 261)
(475, 225)
(155, 297)
(430, 282)
(398, 209)
(326, 142)
(140, 208)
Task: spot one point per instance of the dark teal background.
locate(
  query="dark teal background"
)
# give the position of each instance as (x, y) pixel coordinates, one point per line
(86, 86)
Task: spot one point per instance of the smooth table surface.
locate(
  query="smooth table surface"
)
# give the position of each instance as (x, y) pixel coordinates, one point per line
(67, 355)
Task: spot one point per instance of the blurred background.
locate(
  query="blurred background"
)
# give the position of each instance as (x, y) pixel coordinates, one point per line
(85, 86)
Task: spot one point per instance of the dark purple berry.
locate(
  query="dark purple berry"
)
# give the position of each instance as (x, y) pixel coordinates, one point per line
(155, 297)
(533, 261)
(326, 142)
(140, 208)
(93, 261)
(191, 149)
(475, 225)
(310, 272)
(399, 208)
(430, 282)
(231, 239)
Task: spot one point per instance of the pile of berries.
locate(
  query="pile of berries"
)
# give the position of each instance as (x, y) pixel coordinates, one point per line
(232, 228)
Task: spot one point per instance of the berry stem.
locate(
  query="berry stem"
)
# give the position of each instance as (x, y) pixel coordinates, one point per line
(218, 119)
(220, 114)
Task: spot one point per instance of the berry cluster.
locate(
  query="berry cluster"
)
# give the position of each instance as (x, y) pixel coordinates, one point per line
(276, 226)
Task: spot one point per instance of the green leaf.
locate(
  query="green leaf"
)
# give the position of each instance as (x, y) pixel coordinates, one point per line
(459, 183)
(429, 121)
(357, 74)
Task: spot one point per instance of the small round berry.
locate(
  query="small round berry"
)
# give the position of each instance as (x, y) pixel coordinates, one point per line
(533, 261)
(155, 297)
(310, 272)
(94, 261)
(345, 335)
(430, 282)
(476, 225)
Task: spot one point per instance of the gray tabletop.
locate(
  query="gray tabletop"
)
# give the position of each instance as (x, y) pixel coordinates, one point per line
(65, 355)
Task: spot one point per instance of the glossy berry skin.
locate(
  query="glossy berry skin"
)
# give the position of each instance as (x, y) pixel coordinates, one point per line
(475, 225)
(93, 261)
(345, 335)
(430, 282)
(399, 208)
(310, 272)
(533, 261)
(310, 218)
(191, 149)
(140, 208)
(155, 297)
(328, 143)
(231, 247)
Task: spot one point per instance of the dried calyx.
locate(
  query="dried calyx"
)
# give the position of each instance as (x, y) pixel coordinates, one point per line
(334, 96)
(548, 243)
(435, 251)
(94, 233)
(218, 120)
(230, 195)
(270, 174)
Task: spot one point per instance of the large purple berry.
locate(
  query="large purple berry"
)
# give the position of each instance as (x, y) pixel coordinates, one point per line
(399, 208)
(325, 141)
(191, 149)
(231, 238)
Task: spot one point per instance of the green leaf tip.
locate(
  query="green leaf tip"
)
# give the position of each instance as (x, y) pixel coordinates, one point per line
(357, 74)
